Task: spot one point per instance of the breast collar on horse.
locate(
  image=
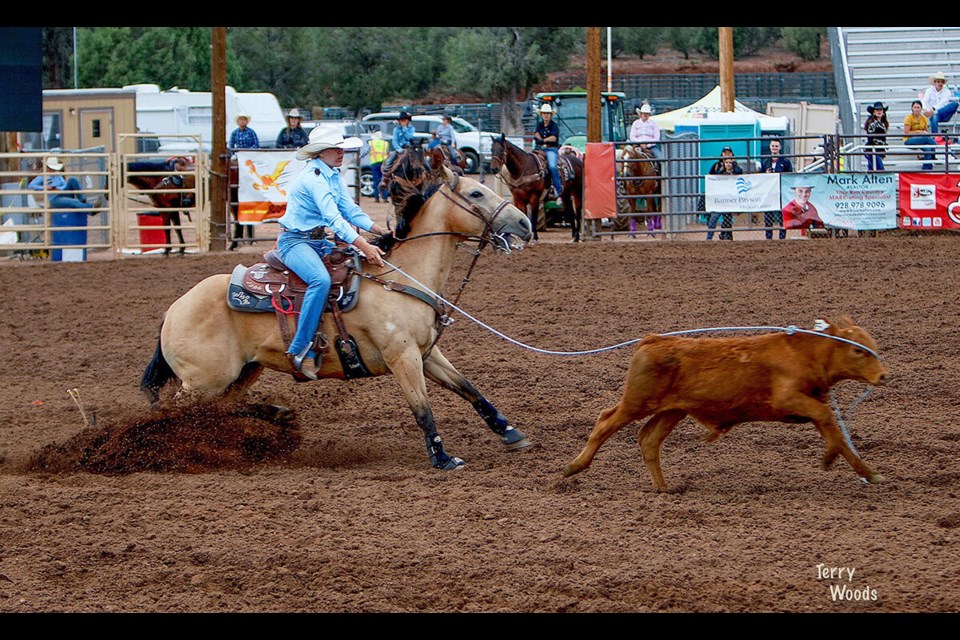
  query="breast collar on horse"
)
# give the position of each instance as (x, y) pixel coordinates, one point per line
(489, 236)
(541, 173)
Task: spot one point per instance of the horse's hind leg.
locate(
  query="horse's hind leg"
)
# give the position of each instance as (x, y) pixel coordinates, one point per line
(438, 369)
(175, 218)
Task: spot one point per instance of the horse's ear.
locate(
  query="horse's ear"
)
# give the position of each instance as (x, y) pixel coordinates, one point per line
(450, 176)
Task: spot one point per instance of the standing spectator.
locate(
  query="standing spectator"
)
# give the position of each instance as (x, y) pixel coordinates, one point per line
(379, 150)
(876, 127)
(547, 140)
(916, 131)
(726, 165)
(292, 136)
(243, 137)
(63, 193)
(646, 132)
(939, 105)
(775, 164)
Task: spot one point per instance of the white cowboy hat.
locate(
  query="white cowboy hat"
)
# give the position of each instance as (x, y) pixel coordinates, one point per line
(545, 108)
(54, 164)
(645, 108)
(938, 76)
(294, 113)
(321, 139)
(242, 115)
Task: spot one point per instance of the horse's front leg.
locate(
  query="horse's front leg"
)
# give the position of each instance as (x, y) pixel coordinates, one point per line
(407, 367)
(438, 369)
(175, 218)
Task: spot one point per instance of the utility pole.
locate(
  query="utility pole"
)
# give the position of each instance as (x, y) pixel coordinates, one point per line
(219, 158)
(727, 96)
(594, 91)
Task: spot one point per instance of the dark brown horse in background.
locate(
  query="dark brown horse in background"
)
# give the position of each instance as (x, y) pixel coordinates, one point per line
(528, 177)
(171, 186)
(444, 155)
(639, 168)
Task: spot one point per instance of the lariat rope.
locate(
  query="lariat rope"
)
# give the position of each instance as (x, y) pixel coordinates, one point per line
(789, 330)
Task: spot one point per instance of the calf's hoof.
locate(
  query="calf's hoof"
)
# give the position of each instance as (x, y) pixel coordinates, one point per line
(876, 478)
(570, 470)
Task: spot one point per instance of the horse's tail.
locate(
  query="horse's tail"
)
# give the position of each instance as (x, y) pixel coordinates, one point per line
(157, 374)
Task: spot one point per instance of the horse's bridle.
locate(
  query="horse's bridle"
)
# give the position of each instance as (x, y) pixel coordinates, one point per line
(512, 182)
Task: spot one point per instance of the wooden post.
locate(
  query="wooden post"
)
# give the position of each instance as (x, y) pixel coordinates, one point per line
(594, 91)
(219, 158)
(727, 92)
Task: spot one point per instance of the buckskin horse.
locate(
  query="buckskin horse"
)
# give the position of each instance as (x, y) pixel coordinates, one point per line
(638, 167)
(171, 187)
(527, 176)
(215, 351)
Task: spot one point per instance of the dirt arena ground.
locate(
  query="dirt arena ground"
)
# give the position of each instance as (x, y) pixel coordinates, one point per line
(108, 506)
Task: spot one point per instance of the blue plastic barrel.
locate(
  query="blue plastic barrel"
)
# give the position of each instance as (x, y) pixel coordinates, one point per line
(73, 236)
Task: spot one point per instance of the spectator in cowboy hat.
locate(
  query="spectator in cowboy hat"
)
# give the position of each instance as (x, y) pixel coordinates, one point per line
(318, 200)
(62, 193)
(547, 139)
(876, 127)
(243, 137)
(938, 101)
(292, 136)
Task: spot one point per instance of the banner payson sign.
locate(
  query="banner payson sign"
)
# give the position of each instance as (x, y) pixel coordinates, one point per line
(748, 192)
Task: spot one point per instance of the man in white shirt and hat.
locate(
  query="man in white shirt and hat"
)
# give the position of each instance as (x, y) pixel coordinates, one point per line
(318, 200)
(939, 105)
(645, 131)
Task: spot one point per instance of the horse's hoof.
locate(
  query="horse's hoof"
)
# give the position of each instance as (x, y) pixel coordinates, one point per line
(451, 464)
(514, 439)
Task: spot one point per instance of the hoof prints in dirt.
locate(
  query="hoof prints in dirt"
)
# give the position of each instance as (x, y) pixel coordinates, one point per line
(191, 439)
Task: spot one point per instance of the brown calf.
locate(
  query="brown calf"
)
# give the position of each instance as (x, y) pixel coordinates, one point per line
(722, 382)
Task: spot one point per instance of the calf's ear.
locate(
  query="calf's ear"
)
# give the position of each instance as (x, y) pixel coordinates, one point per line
(820, 324)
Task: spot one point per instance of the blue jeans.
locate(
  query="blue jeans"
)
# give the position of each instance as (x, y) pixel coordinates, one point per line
(726, 224)
(378, 193)
(66, 200)
(918, 140)
(874, 159)
(552, 154)
(943, 114)
(305, 257)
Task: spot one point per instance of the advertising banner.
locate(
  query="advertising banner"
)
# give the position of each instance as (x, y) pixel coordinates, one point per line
(748, 192)
(856, 201)
(929, 201)
(264, 177)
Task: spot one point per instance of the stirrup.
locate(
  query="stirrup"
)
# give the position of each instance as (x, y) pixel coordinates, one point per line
(297, 361)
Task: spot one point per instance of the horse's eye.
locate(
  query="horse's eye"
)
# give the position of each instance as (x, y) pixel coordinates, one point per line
(476, 193)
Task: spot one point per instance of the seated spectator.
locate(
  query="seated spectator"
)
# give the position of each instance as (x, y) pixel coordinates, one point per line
(62, 193)
(939, 105)
(243, 137)
(916, 131)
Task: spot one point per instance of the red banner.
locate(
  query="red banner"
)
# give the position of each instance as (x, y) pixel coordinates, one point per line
(599, 182)
(929, 201)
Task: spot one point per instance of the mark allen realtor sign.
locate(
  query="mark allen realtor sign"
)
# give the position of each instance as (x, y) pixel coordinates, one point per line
(843, 200)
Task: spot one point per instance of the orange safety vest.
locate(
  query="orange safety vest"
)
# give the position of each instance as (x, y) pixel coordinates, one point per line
(379, 150)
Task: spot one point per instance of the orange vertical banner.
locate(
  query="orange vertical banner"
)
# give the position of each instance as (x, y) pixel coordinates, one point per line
(599, 181)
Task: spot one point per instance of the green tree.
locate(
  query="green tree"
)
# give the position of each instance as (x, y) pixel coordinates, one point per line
(804, 41)
(166, 56)
(278, 60)
(57, 57)
(684, 39)
(506, 62)
(641, 41)
(746, 40)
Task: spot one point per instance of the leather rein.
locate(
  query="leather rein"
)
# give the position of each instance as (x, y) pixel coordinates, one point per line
(523, 179)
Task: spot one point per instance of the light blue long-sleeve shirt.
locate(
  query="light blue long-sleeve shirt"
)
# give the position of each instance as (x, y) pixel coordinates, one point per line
(402, 136)
(55, 182)
(318, 198)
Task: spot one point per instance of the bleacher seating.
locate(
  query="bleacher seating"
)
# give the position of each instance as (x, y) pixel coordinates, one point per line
(893, 65)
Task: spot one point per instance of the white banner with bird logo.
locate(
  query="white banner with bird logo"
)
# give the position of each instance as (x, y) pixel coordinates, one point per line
(747, 193)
